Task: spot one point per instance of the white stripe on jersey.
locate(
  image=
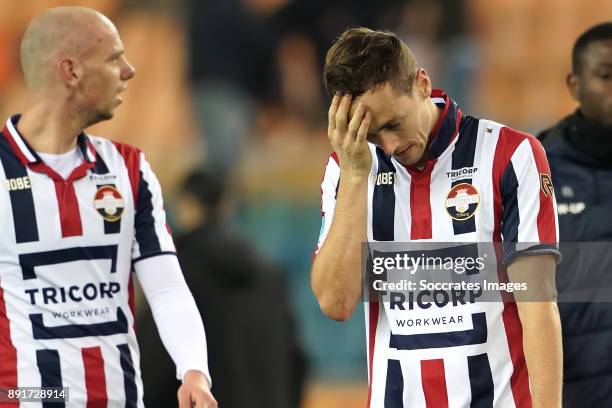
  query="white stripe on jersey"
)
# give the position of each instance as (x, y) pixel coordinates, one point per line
(328, 198)
(528, 182)
(411, 370)
(457, 381)
(165, 240)
(379, 361)
(441, 227)
(19, 141)
(484, 146)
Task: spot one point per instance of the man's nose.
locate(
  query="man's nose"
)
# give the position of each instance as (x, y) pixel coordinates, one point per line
(389, 145)
(128, 71)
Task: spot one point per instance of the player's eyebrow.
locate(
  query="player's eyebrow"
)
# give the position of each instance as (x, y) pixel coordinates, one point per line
(116, 54)
(392, 121)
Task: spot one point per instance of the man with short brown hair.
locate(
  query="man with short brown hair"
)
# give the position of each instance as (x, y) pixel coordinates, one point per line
(408, 166)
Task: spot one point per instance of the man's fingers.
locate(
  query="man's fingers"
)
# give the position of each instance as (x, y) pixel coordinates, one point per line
(212, 403)
(364, 126)
(342, 112)
(356, 119)
(203, 400)
(184, 399)
(331, 118)
(199, 402)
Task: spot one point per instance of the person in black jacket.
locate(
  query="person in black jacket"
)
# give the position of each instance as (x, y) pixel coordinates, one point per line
(255, 359)
(579, 150)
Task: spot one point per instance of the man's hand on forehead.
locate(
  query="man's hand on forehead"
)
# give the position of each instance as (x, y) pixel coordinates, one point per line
(348, 124)
(354, 104)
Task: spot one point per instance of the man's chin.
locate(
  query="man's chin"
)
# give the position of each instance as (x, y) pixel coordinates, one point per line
(100, 117)
(407, 160)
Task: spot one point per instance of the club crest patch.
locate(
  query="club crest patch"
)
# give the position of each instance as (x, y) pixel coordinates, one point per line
(462, 201)
(546, 184)
(109, 203)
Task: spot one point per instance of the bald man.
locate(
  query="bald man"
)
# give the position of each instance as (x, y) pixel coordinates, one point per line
(78, 214)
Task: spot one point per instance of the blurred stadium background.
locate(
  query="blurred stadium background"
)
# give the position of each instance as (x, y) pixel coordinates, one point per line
(235, 86)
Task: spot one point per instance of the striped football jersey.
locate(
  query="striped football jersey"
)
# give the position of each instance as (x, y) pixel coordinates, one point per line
(485, 183)
(66, 256)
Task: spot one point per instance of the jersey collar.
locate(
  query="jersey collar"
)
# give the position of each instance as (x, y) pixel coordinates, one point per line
(29, 157)
(447, 127)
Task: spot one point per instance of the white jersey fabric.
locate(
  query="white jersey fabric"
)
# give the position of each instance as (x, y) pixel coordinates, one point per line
(67, 252)
(64, 163)
(485, 183)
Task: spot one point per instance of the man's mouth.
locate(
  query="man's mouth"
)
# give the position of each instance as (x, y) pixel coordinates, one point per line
(403, 151)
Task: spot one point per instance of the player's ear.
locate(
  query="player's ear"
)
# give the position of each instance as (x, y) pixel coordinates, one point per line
(573, 85)
(422, 83)
(69, 71)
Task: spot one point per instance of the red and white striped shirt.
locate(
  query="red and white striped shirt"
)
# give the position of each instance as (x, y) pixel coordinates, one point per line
(66, 255)
(485, 183)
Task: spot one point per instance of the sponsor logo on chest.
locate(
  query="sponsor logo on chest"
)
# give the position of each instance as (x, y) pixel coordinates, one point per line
(103, 178)
(18, 183)
(386, 178)
(463, 173)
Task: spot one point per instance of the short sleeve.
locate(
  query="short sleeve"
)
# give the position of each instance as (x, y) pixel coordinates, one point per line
(329, 191)
(151, 234)
(529, 223)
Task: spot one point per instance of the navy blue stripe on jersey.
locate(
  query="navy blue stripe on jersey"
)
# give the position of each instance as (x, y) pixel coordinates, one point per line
(511, 217)
(383, 202)
(82, 145)
(463, 156)
(161, 253)
(481, 381)
(447, 130)
(476, 335)
(394, 389)
(22, 200)
(100, 167)
(30, 261)
(72, 331)
(147, 239)
(129, 376)
(48, 362)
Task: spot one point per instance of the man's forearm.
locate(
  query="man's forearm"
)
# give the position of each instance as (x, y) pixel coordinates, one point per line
(541, 324)
(543, 351)
(336, 271)
(175, 312)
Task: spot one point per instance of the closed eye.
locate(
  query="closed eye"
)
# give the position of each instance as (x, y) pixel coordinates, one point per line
(391, 126)
(115, 56)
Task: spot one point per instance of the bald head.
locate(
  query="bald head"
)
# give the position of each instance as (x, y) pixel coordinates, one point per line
(58, 33)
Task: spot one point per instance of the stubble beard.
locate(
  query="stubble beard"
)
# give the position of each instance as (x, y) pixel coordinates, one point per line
(98, 116)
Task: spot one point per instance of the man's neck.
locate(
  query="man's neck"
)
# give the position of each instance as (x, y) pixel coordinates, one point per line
(434, 115)
(49, 129)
